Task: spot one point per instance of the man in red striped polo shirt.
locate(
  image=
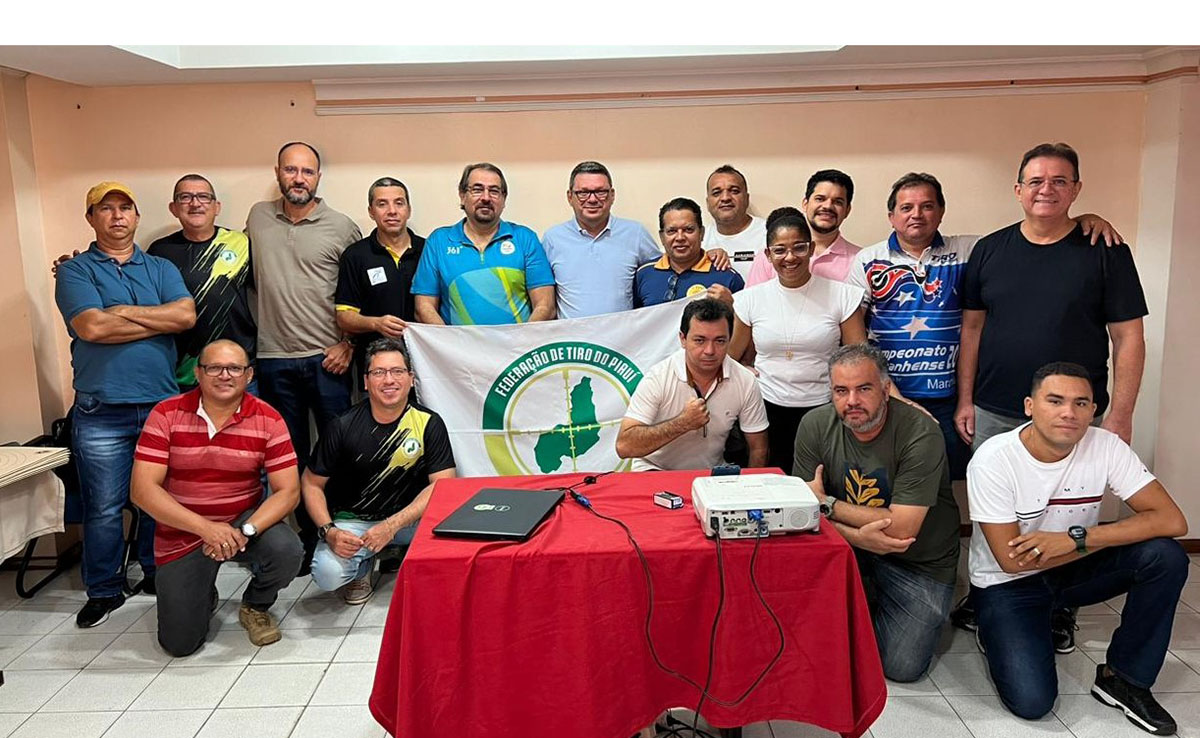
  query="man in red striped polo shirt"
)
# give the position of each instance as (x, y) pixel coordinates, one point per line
(198, 471)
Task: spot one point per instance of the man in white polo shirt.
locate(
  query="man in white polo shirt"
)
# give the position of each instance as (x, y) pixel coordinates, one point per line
(1035, 496)
(681, 413)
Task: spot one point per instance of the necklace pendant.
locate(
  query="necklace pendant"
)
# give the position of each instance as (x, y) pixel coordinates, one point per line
(788, 355)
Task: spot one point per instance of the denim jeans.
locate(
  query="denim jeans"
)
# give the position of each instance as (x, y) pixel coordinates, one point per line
(297, 387)
(908, 610)
(957, 453)
(103, 437)
(1014, 619)
(330, 571)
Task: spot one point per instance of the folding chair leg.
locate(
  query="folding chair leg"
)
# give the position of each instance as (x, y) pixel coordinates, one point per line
(23, 569)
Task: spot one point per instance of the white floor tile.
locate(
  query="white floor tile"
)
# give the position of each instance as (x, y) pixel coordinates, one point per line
(66, 725)
(1191, 658)
(345, 684)
(362, 644)
(320, 612)
(275, 685)
(262, 722)
(147, 623)
(1185, 708)
(231, 582)
(101, 690)
(1190, 596)
(927, 717)
(227, 648)
(158, 724)
(338, 720)
(1088, 718)
(954, 640)
(987, 717)
(9, 722)
(303, 646)
(36, 617)
(961, 673)
(1076, 672)
(374, 613)
(1185, 634)
(13, 646)
(922, 687)
(300, 586)
(1095, 631)
(72, 651)
(188, 688)
(132, 651)
(26, 691)
(790, 729)
(763, 730)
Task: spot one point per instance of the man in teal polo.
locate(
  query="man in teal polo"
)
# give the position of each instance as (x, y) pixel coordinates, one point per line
(483, 270)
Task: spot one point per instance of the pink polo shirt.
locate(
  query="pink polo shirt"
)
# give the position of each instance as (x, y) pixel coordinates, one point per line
(833, 264)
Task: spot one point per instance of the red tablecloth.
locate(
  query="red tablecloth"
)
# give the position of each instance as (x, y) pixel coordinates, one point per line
(546, 638)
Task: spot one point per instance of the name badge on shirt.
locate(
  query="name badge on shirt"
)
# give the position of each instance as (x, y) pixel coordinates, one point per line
(377, 275)
(507, 248)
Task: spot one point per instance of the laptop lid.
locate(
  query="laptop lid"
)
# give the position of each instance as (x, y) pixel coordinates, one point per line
(500, 514)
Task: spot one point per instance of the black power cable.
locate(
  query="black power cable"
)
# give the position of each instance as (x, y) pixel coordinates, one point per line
(704, 690)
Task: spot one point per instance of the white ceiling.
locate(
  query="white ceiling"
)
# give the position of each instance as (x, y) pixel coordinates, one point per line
(97, 66)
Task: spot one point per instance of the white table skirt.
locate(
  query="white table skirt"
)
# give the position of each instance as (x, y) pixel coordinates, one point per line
(30, 508)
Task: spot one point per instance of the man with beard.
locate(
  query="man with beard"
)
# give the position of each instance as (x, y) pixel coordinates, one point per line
(885, 464)
(374, 288)
(302, 355)
(826, 206)
(483, 270)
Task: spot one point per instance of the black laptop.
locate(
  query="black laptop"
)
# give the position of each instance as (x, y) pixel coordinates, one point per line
(500, 514)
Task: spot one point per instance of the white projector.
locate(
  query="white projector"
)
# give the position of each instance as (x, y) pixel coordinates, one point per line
(728, 506)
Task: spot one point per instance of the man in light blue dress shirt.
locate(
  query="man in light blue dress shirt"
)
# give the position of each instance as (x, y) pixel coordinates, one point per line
(595, 254)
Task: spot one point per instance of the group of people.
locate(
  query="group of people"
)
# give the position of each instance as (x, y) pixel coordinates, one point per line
(872, 372)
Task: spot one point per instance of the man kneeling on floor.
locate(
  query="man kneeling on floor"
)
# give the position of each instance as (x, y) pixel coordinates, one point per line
(372, 474)
(197, 471)
(1035, 495)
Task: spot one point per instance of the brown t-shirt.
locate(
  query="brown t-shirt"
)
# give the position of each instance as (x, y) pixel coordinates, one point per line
(296, 271)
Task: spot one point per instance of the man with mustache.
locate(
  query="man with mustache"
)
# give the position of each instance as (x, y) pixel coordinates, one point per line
(826, 205)
(685, 270)
(483, 270)
(883, 465)
(121, 307)
(303, 356)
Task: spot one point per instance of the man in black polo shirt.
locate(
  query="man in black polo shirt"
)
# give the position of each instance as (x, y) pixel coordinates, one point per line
(215, 264)
(373, 296)
(372, 473)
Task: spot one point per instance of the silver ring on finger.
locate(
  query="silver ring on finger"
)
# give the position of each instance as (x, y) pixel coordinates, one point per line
(1037, 551)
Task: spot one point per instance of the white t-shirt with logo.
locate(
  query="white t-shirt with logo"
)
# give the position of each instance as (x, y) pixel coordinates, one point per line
(662, 395)
(795, 331)
(1006, 484)
(741, 247)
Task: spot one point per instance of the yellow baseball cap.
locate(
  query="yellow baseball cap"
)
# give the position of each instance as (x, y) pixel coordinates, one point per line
(97, 193)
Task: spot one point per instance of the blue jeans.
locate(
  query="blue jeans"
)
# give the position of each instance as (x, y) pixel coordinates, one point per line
(1014, 619)
(957, 453)
(103, 437)
(908, 610)
(296, 387)
(330, 571)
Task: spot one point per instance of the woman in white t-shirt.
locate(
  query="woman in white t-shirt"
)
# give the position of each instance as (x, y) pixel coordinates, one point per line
(791, 325)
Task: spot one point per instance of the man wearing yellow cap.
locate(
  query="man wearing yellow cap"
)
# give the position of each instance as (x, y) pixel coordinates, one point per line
(121, 307)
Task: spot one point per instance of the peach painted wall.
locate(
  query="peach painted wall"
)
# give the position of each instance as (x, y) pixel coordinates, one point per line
(148, 136)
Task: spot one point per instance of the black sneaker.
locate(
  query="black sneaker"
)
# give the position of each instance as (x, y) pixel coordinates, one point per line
(147, 586)
(1138, 704)
(963, 615)
(1062, 630)
(97, 609)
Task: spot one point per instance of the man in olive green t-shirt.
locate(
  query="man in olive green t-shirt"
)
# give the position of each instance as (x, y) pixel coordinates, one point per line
(885, 464)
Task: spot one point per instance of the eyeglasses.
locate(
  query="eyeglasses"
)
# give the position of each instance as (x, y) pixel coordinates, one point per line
(1058, 183)
(214, 370)
(799, 249)
(478, 190)
(585, 195)
(393, 372)
(202, 198)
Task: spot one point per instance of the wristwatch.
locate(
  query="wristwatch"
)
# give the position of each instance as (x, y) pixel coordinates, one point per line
(324, 530)
(826, 506)
(249, 530)
(1078, 534)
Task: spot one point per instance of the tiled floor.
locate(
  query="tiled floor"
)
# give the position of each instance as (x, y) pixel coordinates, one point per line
(115, 682)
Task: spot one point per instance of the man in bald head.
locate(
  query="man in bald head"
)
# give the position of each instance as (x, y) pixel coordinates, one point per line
(197, 471)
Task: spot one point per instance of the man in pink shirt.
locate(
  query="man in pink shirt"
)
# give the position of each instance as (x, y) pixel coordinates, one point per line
(826, 205)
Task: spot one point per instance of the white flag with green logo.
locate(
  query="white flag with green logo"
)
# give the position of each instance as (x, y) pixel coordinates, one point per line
(539, 398)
